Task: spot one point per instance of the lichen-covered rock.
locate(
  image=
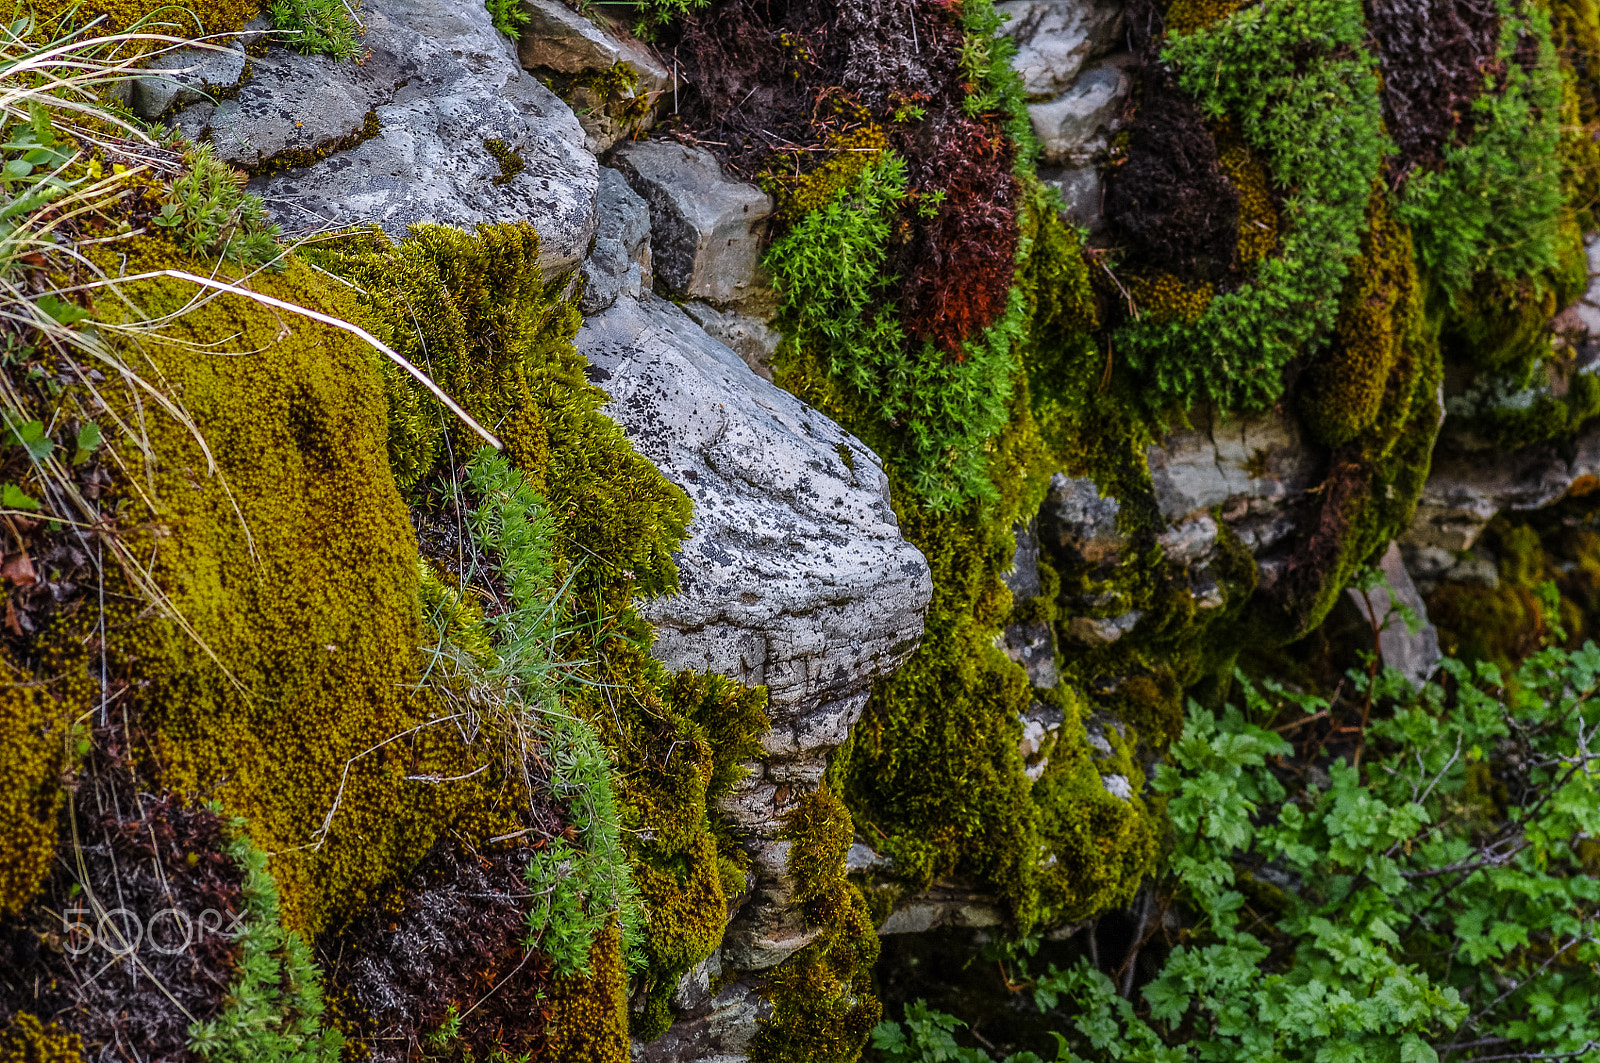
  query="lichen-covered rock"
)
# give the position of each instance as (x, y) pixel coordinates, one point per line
(705, 230)
(187, 75)
(439, 124)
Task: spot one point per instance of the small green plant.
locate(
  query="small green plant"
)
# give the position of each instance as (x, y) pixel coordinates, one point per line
(836, 306)
(508, 17)
(1295, 76)
(578, 886)
(208, 212)
(1495, 202)
(274, 1010)
(317, 27)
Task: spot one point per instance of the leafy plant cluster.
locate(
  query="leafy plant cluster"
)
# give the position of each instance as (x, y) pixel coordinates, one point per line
(578, 886)
(1295, 77)
(274, 1012)
(318, 27)
(208, 212)
(1437, 896)
(508, 17)
(1494, 202)
(935, 414)
(996, 87)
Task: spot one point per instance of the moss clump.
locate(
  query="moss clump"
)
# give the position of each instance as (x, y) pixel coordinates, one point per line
(1304, 93)
(1188, 16)
(27, 1040)
(1258, 215)
(510, 162)
(33, 755)
(1380, 309)
(289, 689)
(589, 1015)
(852, 153)
(1104, 844)
(823, 1007)
(193, 19)
(1163, 298)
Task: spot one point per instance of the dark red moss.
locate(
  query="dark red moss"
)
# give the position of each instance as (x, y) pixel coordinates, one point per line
(1169, 204)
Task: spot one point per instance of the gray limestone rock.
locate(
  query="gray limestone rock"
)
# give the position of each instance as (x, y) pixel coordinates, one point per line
(1465, 489)
(1415, 655)
(1103, 631)
(1032, 646)
(403, 137)
(1082, 190)
(705, 230)
(1254, 462)
(1076, 125)
(750, 337)
(795, 574)
(186, 75)
(620, 262)
(1055, 38)
(1075, 519)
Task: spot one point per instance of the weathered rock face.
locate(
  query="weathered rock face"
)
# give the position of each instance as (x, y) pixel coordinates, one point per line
(1415, 654)
(438, 125)
(1074, 102)
(794, 576)
(1057, 38)
(706, 231)
(620, 81)
(620, 263)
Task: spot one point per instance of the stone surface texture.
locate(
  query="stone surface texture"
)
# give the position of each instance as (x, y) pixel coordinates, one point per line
(1056, 38)
(440, 82)
(706, 231)
(187, 75)
(1076, 125)
(560, 40)
(794, 576)
(619, 265)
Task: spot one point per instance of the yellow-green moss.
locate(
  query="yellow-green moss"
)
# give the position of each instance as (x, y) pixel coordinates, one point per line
(1103, 845)
(1187, 16)
(193, 18)
(1163, 297)
(33, 754)
(1379, 313)
(27, 1040)
(1258, 217)
(823, 1007)
(852, 153)
(294, 568)
(588, 1020)
(1575, 30)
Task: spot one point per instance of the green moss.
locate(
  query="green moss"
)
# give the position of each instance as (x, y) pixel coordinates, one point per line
(474, 311)
(1296, 80)
(823, 1007)
(274, 1008)
(195, 18)
(511, 163)
(589, 1015)
(1103, 845)
(27, 1040)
